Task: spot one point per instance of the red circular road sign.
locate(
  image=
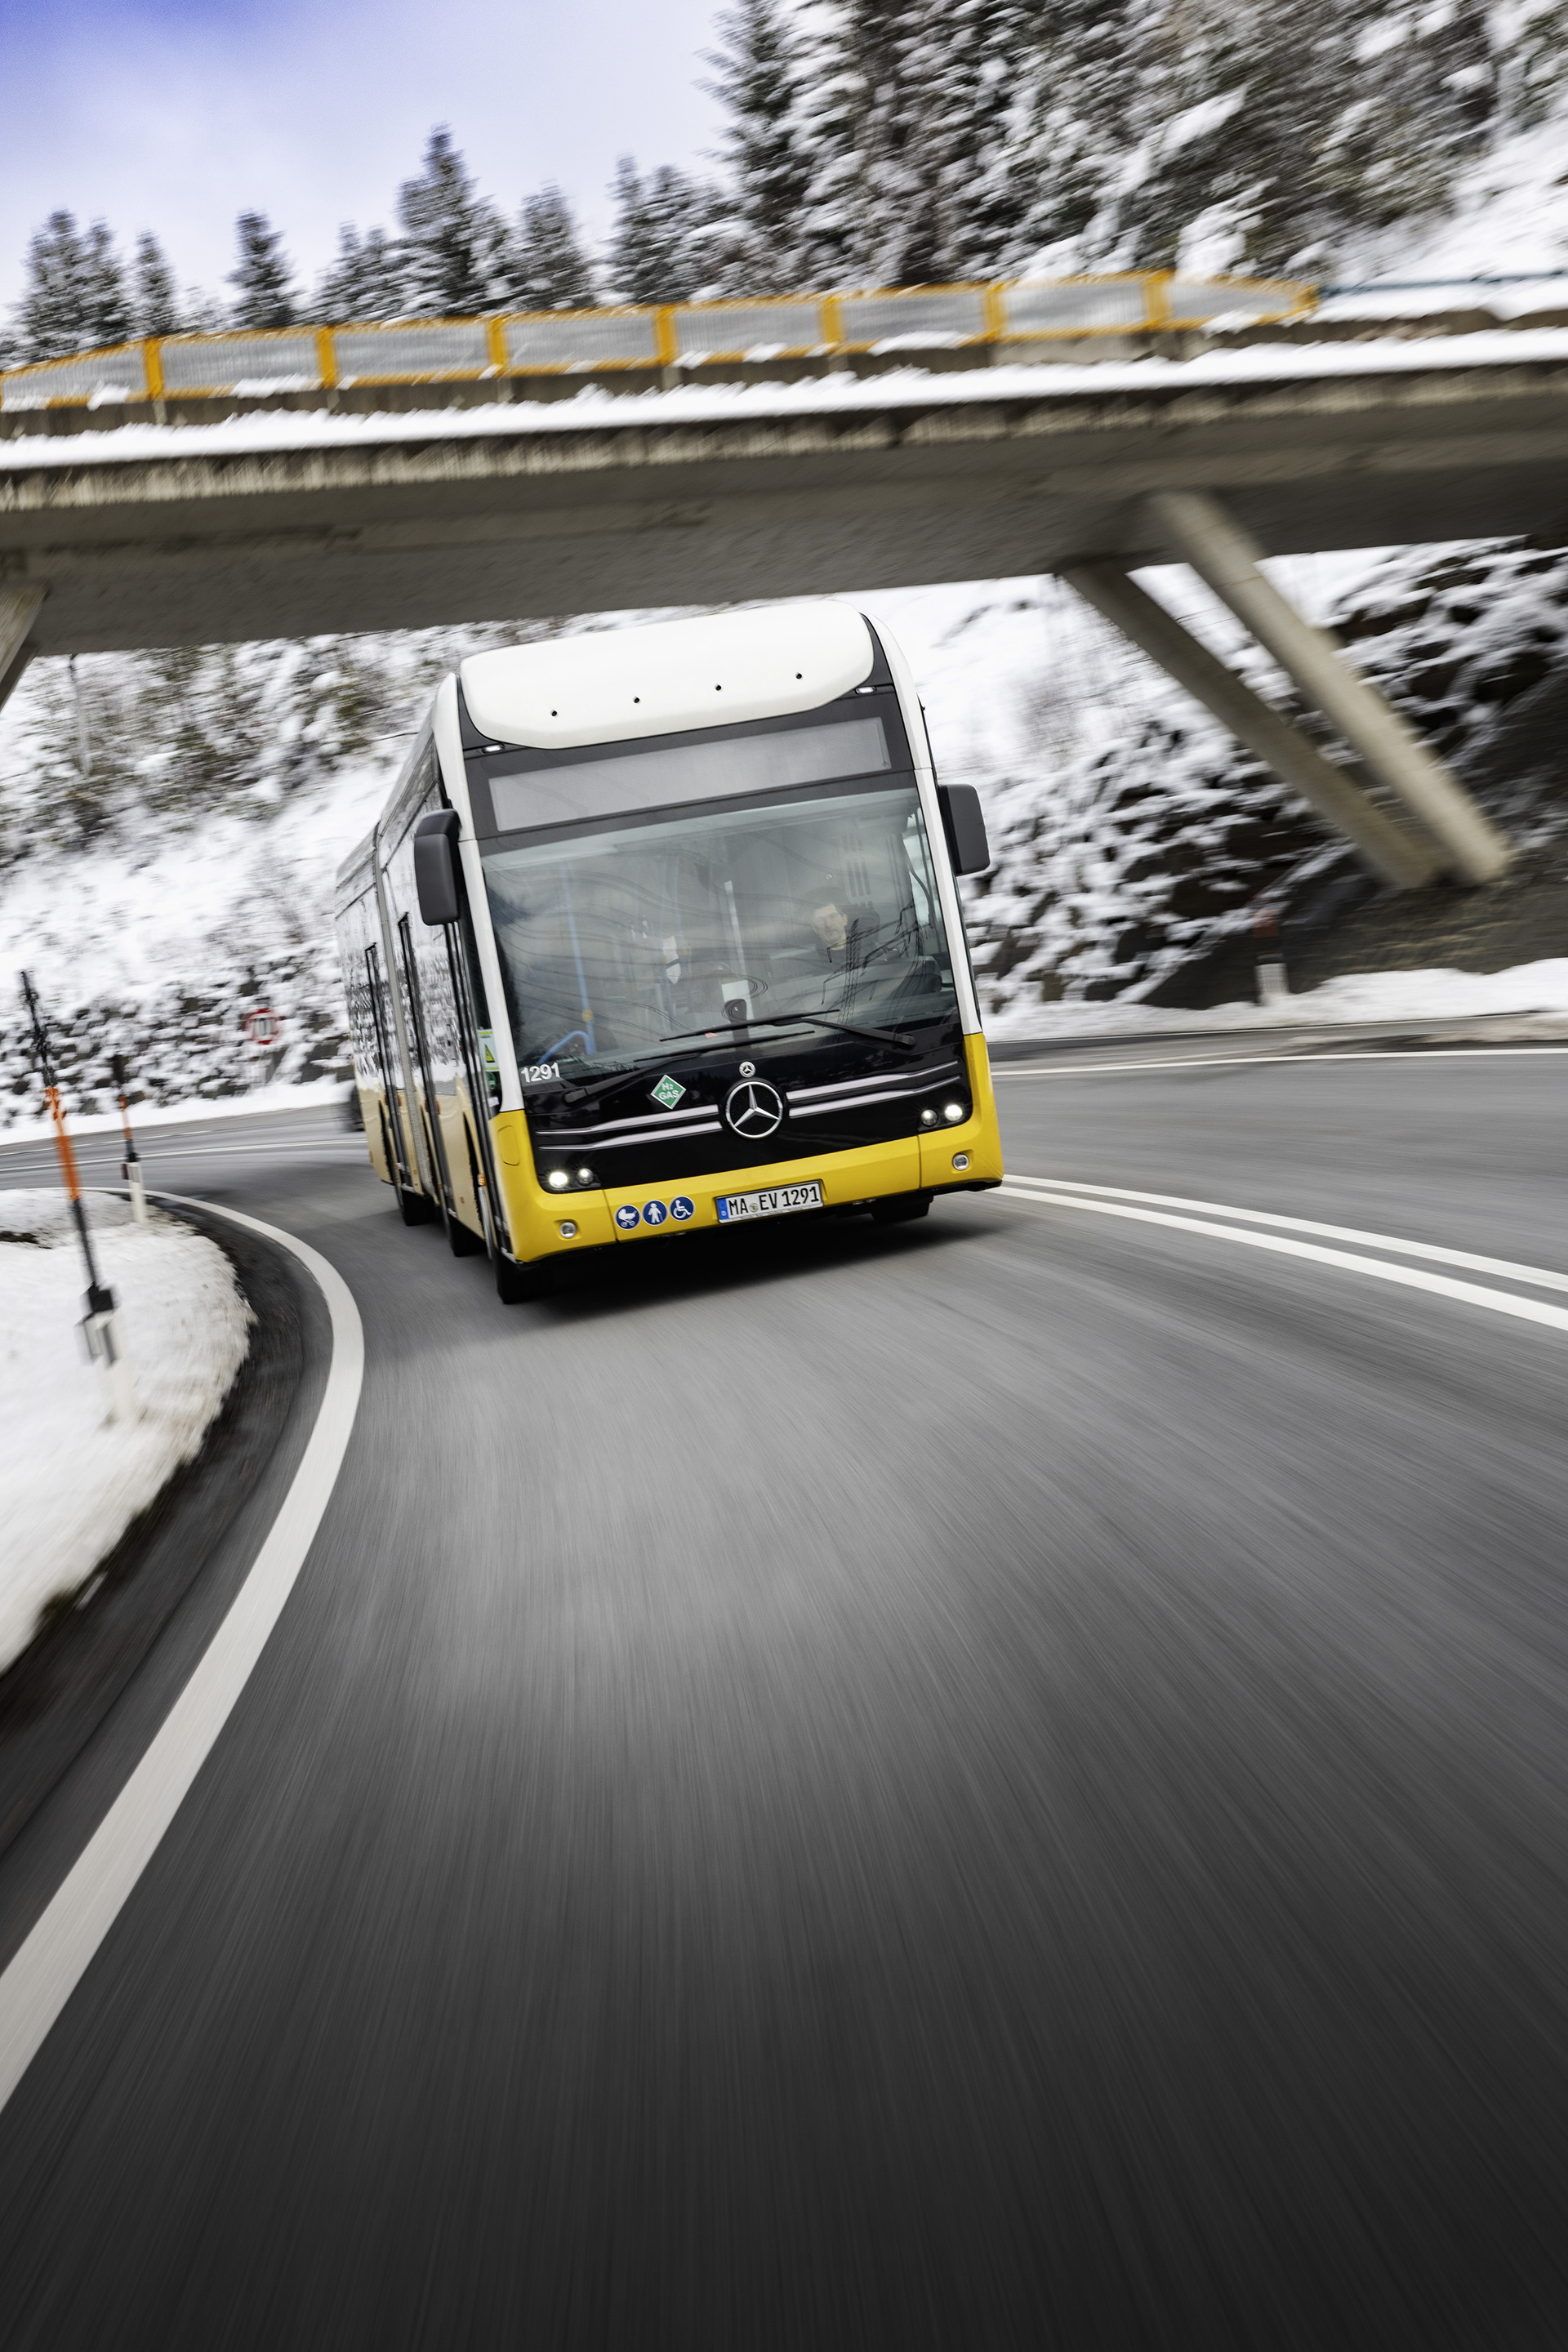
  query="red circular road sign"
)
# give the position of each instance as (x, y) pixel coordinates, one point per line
(263, 1027)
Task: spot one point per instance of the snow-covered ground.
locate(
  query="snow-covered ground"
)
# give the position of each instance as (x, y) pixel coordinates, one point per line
(1357, 997)
(1508, 217)
(70, 1480)
(120, 917)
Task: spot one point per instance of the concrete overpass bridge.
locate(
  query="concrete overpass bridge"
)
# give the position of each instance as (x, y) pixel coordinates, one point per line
(290, 524)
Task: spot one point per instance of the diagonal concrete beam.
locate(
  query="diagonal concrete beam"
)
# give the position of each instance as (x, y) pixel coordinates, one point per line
(1223, 555)
(1397, 855)
(18, 610)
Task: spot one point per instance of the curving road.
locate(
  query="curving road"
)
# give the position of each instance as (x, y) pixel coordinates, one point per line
(996, 1784)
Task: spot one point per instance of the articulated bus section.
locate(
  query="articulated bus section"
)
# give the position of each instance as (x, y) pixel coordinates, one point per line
(618, 969)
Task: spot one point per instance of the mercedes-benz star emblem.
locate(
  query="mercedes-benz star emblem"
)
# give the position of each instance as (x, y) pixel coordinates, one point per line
(754, 1109)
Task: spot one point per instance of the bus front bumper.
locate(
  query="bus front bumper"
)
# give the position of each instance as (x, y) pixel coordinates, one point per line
(547, 1224)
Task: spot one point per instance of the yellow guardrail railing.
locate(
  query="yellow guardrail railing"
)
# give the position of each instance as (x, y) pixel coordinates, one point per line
(687, 336)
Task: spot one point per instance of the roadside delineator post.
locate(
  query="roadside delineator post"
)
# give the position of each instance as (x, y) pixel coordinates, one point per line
(131, 1166)
(1273, 981)
(100, 1325)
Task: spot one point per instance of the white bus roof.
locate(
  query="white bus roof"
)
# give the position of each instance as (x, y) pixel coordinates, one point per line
(667, 675)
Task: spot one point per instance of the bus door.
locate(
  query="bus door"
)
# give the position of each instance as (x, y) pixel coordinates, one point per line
(397, 1141)
(435, 1142)
(484, 1090)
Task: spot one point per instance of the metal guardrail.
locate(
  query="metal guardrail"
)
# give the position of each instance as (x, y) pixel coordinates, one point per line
(1444, 285)
(679, 336)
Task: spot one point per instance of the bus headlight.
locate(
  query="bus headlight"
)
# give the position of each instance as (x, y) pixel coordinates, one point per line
(567, 1229)
(928, 1118)
(586, 1176)
(558, 1180)
(954, 1112)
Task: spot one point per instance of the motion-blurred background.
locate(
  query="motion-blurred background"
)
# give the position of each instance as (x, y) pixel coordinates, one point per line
(197, 171)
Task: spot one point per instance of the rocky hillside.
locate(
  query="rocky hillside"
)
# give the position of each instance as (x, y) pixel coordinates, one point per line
(1138, 873)
(173, 821)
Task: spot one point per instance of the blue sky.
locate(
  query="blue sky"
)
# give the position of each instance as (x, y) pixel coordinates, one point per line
(175, 115)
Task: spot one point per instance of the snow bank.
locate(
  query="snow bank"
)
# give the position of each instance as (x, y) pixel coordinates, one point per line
(1361, 996)
(70, 1481)
(1506, 216)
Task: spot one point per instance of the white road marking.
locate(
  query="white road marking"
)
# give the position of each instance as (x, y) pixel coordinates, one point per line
(1410, 1278)
(1235, 1061)
(48, 1968)
(1510, 1271)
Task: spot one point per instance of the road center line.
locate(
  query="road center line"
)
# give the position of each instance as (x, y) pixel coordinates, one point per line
(1409, 1277)
(49, 1966)
(1539, 1275)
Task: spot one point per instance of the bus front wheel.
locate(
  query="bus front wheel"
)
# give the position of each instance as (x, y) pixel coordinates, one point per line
(517, 1284)
(899, 1208)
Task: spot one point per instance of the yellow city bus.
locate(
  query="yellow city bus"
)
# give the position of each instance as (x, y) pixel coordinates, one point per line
(659, 932)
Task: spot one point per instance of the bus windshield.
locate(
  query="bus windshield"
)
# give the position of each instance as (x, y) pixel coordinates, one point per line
(615, 941)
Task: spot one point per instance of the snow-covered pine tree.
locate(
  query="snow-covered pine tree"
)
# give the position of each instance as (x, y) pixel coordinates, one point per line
(659, 247)
(73, 297)
(1530, 61)
(202, 312)
(1061, 138)
(51, 313)
(155, 307)
(108, 301)
(364, 279)
(757, 78)
(263, 280)
(454, 242)
(907, 114)
(1432, 94)
(549, 266)
(1264, 141)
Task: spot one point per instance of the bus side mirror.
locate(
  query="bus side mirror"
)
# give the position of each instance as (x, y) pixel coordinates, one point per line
(436, 866)
(964, 825)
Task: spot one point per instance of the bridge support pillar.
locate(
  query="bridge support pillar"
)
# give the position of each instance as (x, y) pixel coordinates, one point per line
(1397, 856)
(1224, 556)
(18, 610)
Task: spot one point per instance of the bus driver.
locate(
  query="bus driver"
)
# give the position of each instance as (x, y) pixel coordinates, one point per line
(844, 937)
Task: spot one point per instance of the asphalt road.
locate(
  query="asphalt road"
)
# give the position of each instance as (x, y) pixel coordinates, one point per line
(995, 1783)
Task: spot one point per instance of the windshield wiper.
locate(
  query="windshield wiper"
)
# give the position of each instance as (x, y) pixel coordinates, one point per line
(822, 1021)
(719, 1042)
(589, 1089)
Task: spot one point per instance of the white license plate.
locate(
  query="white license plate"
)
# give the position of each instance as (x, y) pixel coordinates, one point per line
(778, 1202)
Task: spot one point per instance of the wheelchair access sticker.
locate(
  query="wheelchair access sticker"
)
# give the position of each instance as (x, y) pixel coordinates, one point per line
(681, 1208)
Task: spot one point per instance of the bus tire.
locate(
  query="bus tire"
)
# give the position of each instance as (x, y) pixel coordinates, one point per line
(516, 1285)
(413, 1208)
(899, 1208)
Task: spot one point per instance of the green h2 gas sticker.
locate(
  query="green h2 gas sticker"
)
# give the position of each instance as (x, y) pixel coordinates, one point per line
(668, 1092)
